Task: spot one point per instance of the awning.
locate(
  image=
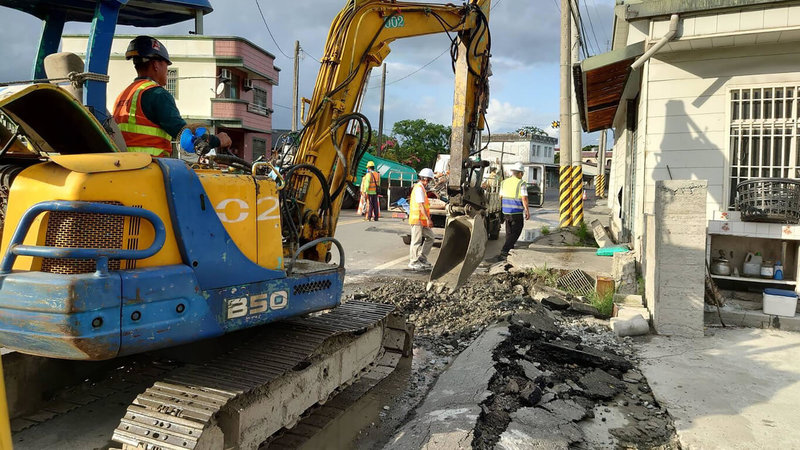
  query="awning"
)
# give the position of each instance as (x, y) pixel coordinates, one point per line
(388, 169)
(599, 84)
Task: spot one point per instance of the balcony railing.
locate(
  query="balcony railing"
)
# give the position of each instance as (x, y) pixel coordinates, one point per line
(258, 109)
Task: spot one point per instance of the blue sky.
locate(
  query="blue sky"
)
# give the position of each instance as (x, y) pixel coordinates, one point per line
(524, 85)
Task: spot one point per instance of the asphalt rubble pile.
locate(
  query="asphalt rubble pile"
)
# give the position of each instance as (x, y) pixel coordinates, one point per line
(563, 379)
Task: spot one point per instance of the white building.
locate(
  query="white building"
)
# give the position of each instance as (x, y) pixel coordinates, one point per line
(718, 102)
(529, 149)
(706, 91)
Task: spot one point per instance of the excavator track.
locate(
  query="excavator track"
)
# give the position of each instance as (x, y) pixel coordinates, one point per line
(241, 398)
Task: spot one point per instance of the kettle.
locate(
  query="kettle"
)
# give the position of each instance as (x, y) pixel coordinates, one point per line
(721, 265)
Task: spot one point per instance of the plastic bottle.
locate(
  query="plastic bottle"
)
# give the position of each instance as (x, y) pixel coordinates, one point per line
(778, 272)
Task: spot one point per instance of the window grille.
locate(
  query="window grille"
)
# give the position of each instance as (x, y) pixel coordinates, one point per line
(172, 82)
(763, 135)
(259, 148)
(259, 104)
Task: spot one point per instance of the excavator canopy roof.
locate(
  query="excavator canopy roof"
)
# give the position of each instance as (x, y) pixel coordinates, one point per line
(140, 13)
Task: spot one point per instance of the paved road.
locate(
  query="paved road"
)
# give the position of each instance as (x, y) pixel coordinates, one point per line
(377, 248)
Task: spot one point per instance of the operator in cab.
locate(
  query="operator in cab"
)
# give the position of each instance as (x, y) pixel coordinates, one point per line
(145, 110)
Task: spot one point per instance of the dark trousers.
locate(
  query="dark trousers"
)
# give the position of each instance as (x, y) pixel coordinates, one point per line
(514, 223)
(373, 206)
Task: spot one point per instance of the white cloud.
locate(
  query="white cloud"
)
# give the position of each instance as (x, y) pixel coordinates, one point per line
(505, 116)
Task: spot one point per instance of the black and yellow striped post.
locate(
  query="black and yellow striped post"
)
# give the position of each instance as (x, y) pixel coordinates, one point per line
(600, 186)
(576, 196)
(565, 196)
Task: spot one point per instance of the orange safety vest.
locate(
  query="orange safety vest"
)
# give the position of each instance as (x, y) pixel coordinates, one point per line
(414, 216)
(369, 184)
(140, 134)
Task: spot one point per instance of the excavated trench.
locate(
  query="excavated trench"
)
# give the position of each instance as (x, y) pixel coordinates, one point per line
(562, 379)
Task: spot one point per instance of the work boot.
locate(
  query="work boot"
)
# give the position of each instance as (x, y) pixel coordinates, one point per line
(416, 266)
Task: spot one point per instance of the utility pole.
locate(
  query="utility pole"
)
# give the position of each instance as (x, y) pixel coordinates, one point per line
(380, 118)
(575, 125)
(295, 87)
(565, 133)
(600, 181)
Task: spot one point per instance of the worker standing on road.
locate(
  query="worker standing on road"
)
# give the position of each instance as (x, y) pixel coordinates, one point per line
(369, 188)
(514, 198)
(145, 111)
(420, 220)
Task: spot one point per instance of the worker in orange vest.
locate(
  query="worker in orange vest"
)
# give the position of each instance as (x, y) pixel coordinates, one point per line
(419, 217)
(145, 111)
(369, 188)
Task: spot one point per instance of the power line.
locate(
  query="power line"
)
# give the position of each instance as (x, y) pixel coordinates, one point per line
(591, 25)
(414, 72)
(310, 55)
(281, 106)
(270, 31)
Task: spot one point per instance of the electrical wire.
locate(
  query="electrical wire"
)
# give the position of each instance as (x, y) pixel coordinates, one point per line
(270, 31)
(310, 55)
(591, 25)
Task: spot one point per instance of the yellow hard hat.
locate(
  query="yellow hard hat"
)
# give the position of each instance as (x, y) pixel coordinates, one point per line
(370, 164)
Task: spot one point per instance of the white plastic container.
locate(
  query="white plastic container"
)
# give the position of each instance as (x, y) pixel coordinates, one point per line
(779, 302)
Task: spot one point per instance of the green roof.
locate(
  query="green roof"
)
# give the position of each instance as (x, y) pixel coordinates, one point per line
(389, 170)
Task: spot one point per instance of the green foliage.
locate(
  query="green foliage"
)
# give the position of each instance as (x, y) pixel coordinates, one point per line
(590, 148)
(381, 145)
(545, 230)
(604, 304)
(585, 236)
(418, 142)
(533, 130)
(548, 276)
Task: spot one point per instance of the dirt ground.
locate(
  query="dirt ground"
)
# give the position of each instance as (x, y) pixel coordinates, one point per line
(556, 364)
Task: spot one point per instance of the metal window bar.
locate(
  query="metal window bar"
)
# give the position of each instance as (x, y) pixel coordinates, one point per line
(762, 135)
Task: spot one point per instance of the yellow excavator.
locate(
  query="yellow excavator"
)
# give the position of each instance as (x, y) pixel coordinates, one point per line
(107, 253)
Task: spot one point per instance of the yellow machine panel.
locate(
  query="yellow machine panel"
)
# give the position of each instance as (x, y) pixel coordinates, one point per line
(268, 222)
(233, 197)
(142, 188)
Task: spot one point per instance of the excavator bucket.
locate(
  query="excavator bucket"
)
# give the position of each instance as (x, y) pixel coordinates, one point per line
(462, 251)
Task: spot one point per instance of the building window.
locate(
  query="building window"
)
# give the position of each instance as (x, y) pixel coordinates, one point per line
(172, 82)
(259, 104)
(259, 148)
(232, 86)
(763, 136)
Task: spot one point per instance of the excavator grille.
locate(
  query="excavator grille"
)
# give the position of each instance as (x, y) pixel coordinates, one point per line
(84, 230)
(314, 286)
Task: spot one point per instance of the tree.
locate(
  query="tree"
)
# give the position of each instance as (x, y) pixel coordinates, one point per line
(418, 142)
(533, 130)
(590, 148)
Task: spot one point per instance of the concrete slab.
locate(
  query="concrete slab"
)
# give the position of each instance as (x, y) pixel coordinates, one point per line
(567, 258)
(736, 388)
(450, 411)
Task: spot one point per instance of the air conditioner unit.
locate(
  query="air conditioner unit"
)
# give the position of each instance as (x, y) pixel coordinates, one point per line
(248, 84)
(225, 75)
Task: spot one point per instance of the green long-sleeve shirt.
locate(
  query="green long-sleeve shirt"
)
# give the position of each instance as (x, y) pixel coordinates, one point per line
(159, 106)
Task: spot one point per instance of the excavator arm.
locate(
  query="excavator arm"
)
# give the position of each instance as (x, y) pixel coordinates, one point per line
(336, 135)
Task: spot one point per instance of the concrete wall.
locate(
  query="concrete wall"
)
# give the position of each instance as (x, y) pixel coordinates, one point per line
(678, 250)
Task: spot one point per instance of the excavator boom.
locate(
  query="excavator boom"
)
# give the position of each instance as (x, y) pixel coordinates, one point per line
(333, 139)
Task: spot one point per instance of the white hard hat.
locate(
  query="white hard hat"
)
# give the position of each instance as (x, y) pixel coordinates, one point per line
(426, 172)
(517, 167)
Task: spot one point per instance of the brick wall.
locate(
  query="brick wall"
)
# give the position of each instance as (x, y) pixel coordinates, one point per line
(251, 56)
